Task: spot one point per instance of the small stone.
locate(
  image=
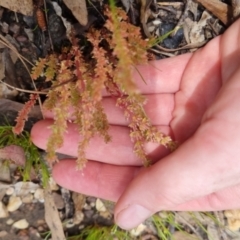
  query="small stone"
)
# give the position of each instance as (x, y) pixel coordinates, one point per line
(5, 175)
(39, 195)
(10, 221)
(57, 198)
(233, 219)
(78, 217)
(34, 232)
(10, 191)
(156, 22)
(70, 223)
(41, 222)
(14, 203)
(138, 230)
(105, 214)
(82, 226)
(163, 215)
(21, 224)
(3, 211)
(100, 206)
(23, 188)
(27, 198)
(3, 234)
(87, 207)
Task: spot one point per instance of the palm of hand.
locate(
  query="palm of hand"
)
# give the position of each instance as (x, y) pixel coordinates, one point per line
(195, 99)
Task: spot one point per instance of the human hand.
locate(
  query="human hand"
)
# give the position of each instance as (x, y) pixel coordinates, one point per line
(194, 98)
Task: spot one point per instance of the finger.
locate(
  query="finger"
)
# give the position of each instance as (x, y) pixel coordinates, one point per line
(96, 179)
(118, 151)
(109, 182)
(206, 72)
(158, 108)
(202, 165)
(230, 51)
(221, 200)
(200, 84)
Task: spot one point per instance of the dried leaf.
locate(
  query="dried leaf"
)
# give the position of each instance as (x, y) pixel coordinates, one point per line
(10, 72)
(218, 9)
(14, 153)
(196, 34)
(79, 10)
(24, 6)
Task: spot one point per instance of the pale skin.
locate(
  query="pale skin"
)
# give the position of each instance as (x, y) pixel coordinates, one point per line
(195, 98)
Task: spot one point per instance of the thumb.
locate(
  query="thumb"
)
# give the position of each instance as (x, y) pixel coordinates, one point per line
(199, 167)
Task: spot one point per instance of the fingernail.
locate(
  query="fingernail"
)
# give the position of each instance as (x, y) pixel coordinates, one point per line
(132, 216)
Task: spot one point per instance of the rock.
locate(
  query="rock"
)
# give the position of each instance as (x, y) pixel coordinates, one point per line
(172, 41)
(233, 219)
(57, 198)
(5, 175)
(10, 221)
(3, 211)
(100, 206)
(27, 198)
(109, 205)
(70, 223)
(138, 230)
(10, 191)
(2, 191)
(21, 224)
(3, 234)
(79, 200)
(14, 203)
(105, 214)
(24, 188)
(78, 217)
(39, 195)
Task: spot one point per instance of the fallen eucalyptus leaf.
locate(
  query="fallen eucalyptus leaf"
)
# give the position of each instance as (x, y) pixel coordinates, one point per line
(25, 6)
(79, 10)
